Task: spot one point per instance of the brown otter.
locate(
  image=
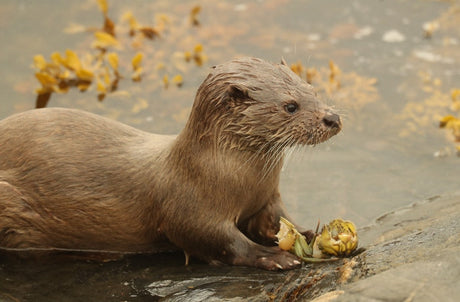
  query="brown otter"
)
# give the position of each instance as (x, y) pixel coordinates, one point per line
(74, 180)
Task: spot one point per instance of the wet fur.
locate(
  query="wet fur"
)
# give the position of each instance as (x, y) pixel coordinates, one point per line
(74, 180)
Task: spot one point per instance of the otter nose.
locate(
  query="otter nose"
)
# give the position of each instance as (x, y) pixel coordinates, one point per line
(332, 120)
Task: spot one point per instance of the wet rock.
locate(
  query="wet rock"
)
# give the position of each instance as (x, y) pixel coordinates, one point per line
(413, 254)
(418, 281)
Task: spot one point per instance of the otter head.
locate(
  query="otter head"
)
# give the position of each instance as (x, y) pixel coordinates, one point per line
(249, 104)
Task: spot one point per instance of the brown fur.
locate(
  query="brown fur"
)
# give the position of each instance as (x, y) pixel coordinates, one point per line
(74, 180)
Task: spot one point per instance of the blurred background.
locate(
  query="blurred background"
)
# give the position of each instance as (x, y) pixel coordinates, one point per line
(390, 68)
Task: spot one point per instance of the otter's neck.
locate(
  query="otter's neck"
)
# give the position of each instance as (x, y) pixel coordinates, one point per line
(209, 155)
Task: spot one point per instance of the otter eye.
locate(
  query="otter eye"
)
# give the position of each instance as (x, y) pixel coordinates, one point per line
(291, 107)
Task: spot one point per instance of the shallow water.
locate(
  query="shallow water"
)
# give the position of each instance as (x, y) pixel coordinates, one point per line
(383, 159)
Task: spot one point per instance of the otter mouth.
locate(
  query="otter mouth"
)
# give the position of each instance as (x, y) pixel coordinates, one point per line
(310, 133)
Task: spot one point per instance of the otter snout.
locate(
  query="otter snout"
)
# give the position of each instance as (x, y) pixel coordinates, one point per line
(332, 120)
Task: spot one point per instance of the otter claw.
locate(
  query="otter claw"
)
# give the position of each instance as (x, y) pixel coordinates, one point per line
(280, 261)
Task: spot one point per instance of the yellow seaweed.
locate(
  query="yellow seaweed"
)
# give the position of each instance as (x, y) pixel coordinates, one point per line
(67, 70)
(194, 15)
(178, 80)
(71, 61)
(100, 87)
(84, 74)
(137, 60)
(45, 79)
(39, 62)
(104, 40)
(103, 6)
(112, 59)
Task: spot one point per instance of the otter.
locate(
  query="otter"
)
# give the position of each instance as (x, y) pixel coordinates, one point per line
(72, 180)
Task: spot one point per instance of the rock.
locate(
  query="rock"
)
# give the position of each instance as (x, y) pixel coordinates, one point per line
(413, 254)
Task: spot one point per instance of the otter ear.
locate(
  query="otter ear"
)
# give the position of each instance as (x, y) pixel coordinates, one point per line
(237, 92)
(283, 62)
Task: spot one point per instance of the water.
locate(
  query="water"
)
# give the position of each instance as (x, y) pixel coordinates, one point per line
(383, 159)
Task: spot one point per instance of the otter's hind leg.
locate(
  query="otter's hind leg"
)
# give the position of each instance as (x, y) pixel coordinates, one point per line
(17, 229)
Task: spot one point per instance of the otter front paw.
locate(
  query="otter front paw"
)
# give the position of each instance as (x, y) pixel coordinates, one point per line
(280, 260)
